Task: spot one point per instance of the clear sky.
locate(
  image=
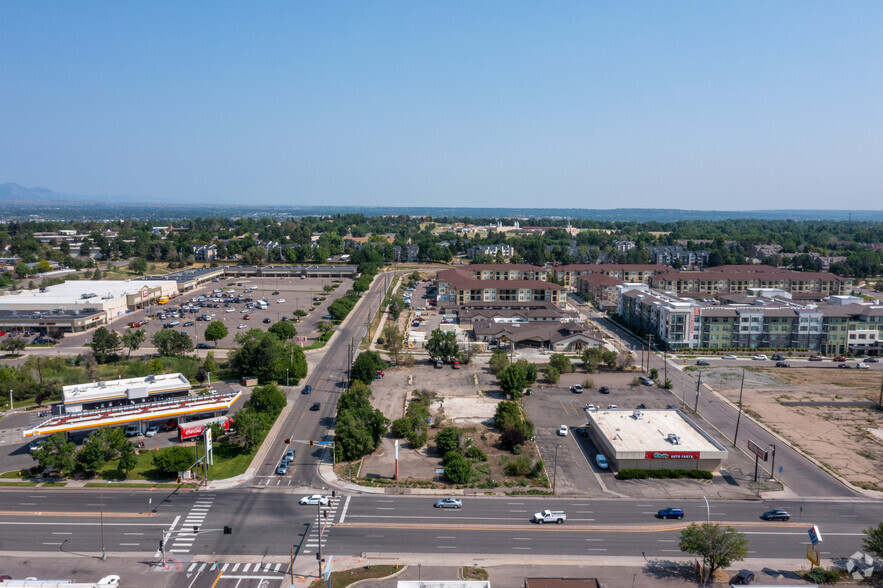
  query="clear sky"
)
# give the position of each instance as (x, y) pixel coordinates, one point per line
(662, 104)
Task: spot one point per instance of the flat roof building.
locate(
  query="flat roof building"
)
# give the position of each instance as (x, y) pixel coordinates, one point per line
(104, 394)
(654, 440)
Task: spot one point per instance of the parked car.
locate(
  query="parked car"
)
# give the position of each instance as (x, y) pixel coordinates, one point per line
(612, 407)
(280, 301)
(267, 321)
(873, 360)
(760, 357)
(601, 461)
(562, 431)
(203, 346)
(777, 514)
(151, 431)
(604, 390)
(576, 389)
(315, 499)
(782, 364)
(448, 503)
(646, 381)
(189, 324)
(132, 430)
(729, 356)
(778, 357)
(702, 362)
(242, 327)
(743, 577)
(671, 513)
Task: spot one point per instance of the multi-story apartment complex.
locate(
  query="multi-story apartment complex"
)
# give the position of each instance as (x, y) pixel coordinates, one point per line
(667, 254)
(568, 274)
(505, 271)
(493, 284)
(741, 278)
(599, 289)
(772, 320)
(491, 250)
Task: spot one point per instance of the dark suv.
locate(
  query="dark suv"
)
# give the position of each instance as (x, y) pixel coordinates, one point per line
(777, 514)
(671, 513)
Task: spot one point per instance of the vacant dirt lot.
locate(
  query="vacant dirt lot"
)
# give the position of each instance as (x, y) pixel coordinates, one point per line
(806, 406)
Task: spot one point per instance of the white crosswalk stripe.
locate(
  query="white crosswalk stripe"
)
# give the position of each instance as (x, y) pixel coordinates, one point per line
(182, 542)
(241, 567)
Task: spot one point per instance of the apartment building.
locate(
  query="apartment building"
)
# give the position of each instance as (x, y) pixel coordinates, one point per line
(506, 271)
(671, 320)
(460, 286)
(636, 272)
(491, 250)
(741, 278)
(599, 289)
(667, 254)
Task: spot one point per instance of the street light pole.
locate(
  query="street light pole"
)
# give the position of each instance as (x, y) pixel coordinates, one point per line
(555, 472)
(739, 417)
(707, 510)
(101, 515)
(11, 405)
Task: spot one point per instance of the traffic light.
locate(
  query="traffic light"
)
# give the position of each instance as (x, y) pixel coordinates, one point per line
(325, 513)
(228, 530)
(333, 493)
(161, 544)
(195, 529)
(288, 441)
(311, 442)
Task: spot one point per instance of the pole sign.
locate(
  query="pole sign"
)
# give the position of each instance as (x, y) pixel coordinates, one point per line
(813, 555)
(814, 535)
(758, 450)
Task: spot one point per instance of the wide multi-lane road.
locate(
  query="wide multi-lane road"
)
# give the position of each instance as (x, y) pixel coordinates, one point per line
(270, 524)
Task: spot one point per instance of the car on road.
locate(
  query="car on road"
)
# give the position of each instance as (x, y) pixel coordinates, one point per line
(203, 346)
(777, 514)
(840, 358)
(315, 499)
(671, 513)
(151, 431)
(862, 366)
(316, 406)
(730, 356)
(448, 503)
(283, 468)
(307, 389)
(702, 362)
(646, 381)
(873, 360)
(601, 461)
(242, 327)
(760, 357)
(782, 364)
(778, 357)
(641, 406)
(289, 455)
(844, 366)
(275, 293)
(604, 390)
(576, 389)
(815, 358)
(562, 431)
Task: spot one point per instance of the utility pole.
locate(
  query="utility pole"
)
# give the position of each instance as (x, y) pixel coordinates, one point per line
(649, 350)
(555, 473)
(880, 403)
(773, 467)
(696, 403)
(665, 365)
(739, 417)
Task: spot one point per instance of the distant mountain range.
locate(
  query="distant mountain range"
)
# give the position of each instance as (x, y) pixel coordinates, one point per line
(11, 193)
(18, 202)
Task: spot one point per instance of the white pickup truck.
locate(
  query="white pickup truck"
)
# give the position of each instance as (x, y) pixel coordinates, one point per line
(549, 516)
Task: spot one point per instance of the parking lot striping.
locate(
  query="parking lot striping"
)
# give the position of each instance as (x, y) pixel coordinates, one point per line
(564, 407)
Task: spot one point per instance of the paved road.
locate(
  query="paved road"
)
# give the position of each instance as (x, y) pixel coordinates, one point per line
(270, 524)
(328, 379)
(799, 474)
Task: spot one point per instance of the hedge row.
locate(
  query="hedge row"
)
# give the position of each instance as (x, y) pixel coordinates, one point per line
(636, 474)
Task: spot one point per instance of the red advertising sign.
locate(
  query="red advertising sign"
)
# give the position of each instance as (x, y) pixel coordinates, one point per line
(671, 455)
(144, 292)
(758, 450)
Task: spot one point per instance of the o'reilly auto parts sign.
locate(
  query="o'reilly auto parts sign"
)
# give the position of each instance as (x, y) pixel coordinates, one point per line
(671, 455)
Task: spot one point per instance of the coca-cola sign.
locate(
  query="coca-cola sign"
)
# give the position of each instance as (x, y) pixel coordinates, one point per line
(671, 455)
(191, 431)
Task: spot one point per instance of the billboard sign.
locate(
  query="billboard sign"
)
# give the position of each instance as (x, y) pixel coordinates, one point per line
(671, 455)
(813, 555)
(814, 535)
(758, 450)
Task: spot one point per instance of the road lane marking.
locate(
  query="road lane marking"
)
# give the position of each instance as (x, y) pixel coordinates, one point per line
(596, 549)
(133, 533)
(522, 538)
(62, 533)
(446, 547)
(53, 544)
(130, 544)
(517, 511)
(515, 503)
(443, 537)
(522, 548)
(174, 523)
(235, 567)
(594, 540)
(346, 505)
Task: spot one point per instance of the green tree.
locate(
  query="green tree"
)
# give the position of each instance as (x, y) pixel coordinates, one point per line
(172, 460)
(443, 345)
(268, 399)
(592, 358)
(171, 342)
(552, 375)
(106, 345)
(499, 361)
(132, 340)
(284, 330)
(530, 371)
(249, 428)
(215, 331)
(609, 358)
(366, 366)
(448, 440)
(458, 469)
(13, 345)
(262, 355)
(718, 546)
(128, 459)
(873, 540)
(138, 265)
(56, 453)
(560, 362)
(360, 426)
(513, 380)
(210, 365)
(93, 456)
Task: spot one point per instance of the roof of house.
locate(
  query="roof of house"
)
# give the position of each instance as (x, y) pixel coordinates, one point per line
(599, 280)
(612, 267)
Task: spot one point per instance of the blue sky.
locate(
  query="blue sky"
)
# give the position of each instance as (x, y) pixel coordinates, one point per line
(706, 105)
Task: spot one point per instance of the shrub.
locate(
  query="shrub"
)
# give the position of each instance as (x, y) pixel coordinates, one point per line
(457, 468)
(538, 469)
(448, 440)
(518, 449)
(822, 576)
(476, 453)
(520, 466)
(638, 474)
